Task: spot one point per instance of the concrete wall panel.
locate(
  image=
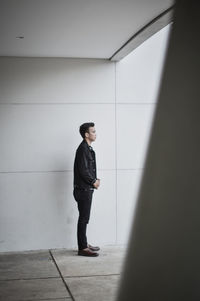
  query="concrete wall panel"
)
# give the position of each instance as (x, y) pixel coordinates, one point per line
(45, 137)
(37, 211)
(133, 129)
(102, 227)
(128, 182)
(50, 80)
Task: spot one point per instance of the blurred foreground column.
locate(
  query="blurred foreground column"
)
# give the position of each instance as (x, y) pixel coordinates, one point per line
(163, 259)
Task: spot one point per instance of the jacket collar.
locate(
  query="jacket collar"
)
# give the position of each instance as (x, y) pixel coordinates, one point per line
(86, 144)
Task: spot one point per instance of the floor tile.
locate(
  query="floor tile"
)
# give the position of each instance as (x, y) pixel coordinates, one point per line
(109, 262)
(35, 289)
(96, 288)
(27, 265)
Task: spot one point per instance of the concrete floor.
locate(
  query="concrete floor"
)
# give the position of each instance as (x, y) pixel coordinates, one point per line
(60, 275)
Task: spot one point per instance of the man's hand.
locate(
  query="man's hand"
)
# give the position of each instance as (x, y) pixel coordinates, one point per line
(96, 184)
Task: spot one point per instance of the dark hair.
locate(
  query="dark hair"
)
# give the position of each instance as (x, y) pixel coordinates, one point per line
(84, 128)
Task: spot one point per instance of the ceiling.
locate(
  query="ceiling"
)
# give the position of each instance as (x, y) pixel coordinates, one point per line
(72, 28)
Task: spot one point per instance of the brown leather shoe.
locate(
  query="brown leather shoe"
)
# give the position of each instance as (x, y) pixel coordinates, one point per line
(93, 248)
(87, 252)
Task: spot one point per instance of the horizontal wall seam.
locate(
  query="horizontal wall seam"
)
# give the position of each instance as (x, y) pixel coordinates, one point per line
(67, 170)
(77, 103)
(55, 103)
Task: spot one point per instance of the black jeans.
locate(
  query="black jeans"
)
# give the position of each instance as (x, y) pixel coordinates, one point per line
(84, 202)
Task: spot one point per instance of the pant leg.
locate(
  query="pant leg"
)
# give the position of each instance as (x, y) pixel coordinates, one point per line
(84, 201)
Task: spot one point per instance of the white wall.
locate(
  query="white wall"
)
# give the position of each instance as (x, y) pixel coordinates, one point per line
(42, 103)
(137, 84)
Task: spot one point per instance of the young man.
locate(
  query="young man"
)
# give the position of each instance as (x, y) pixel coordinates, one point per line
(85, 181)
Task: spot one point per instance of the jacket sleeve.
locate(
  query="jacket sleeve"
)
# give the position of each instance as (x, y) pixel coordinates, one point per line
(84, 169)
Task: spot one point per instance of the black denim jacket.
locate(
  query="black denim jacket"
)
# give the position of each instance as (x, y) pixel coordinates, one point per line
(84, 167)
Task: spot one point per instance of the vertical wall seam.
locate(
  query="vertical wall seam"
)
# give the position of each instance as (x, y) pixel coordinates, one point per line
(116, 197)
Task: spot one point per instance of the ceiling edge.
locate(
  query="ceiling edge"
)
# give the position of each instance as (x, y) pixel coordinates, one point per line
(144, 33)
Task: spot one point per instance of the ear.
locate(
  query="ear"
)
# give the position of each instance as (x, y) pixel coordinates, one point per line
(86, 135)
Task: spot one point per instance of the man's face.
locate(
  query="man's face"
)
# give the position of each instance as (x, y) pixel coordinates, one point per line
(91, 135)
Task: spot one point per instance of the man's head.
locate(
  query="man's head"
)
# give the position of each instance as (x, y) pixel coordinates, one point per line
(87, 131)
